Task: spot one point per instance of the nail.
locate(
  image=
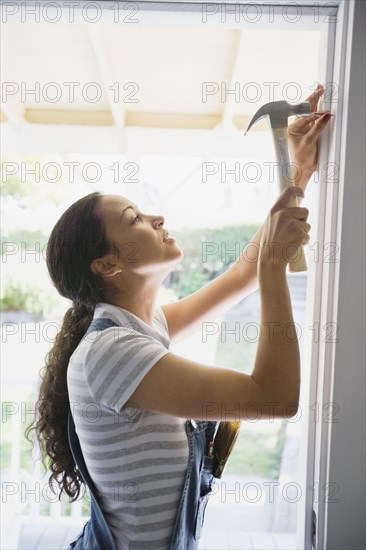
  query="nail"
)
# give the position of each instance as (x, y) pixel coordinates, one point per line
(326, 117)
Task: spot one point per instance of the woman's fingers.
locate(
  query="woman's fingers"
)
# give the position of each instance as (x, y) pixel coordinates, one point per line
(310, 126)
(303, 123)
(318, 127)
(306, 226)
(300, 213)
(315, 96)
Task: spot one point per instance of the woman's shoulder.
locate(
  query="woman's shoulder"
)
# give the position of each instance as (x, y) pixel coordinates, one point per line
(113, 326)
(129, 324)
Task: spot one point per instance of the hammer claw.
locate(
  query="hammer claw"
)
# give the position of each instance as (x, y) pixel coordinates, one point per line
(278, 113)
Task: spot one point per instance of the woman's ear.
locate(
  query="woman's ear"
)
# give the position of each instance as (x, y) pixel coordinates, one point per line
(105, 268)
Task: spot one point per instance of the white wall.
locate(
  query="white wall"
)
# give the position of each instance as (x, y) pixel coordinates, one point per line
(345, 527)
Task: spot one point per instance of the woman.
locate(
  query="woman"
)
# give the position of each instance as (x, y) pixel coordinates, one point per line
(129, 396)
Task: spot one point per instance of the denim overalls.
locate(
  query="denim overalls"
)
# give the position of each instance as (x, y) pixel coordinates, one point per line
(96, 534)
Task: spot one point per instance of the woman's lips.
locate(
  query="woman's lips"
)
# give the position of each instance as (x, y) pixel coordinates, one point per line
(167, 238)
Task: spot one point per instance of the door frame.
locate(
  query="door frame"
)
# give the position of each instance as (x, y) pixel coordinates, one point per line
(323, 277)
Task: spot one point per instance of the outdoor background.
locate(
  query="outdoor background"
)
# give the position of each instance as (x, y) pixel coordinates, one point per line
(222, 205)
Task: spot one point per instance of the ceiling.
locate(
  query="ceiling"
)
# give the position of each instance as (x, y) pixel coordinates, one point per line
(157, 75)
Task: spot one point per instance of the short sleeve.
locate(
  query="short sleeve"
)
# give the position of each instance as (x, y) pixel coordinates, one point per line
(116, 364)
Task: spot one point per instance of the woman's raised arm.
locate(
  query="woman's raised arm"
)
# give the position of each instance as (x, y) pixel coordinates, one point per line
(184, 388)
(208, 303)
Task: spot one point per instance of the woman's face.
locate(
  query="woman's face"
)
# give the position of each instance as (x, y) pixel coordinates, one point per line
(141, 242)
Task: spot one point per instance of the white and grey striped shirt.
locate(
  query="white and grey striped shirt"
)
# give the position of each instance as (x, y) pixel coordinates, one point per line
(136, 458)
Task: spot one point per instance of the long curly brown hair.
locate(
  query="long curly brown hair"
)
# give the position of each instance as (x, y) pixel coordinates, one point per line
(75, 241)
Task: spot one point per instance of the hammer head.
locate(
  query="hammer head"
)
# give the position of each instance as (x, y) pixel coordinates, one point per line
(278, 113)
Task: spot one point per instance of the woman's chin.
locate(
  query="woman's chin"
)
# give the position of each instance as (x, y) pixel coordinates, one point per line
(177, 257)
(181, 253)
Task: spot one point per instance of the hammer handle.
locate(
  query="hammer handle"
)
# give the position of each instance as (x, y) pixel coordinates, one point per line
(285, 180)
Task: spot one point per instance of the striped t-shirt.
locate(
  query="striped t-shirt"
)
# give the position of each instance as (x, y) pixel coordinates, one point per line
(136, 458)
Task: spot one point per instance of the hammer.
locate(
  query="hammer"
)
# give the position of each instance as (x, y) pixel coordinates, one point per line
(278, 113)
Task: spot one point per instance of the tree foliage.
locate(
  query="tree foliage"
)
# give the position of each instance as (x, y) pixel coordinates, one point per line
(207, 254)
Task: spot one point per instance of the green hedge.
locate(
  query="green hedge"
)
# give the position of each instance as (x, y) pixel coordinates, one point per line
(207, 254)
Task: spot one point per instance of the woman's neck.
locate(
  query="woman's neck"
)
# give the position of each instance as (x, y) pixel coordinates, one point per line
(139, 297)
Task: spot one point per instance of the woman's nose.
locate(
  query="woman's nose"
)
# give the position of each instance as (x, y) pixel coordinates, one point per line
(158, 221)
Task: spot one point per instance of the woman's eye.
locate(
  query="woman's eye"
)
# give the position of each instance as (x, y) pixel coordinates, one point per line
(135, 219)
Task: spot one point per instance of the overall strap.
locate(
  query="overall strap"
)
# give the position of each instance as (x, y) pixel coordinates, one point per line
(100, 536)
(96, 324)
(101, 324)
(78, 455)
